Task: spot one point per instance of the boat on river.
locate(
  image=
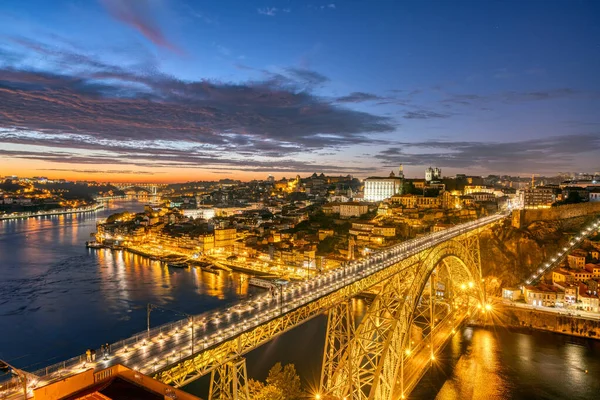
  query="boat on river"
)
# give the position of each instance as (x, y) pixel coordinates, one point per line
(94, 245)
(210, 269)
(177, 264)
(262, 283)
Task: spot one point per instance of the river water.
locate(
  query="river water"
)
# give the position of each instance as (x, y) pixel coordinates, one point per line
(58, 298)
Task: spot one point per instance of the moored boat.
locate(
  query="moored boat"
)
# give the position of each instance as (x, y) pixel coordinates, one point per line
(178, 264)
(94, 245)
(263, 283)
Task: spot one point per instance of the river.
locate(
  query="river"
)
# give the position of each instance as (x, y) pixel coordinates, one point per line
(58, 298)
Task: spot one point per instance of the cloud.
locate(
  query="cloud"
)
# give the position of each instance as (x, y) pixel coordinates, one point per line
(424, 114)
(307, 75)
(137, 15)
(517, 97)
(358, 97)
(269, 11)
(99, 113)
(101, 171)
(552, 153)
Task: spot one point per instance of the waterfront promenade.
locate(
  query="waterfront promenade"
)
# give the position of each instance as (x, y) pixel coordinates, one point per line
(61, 211)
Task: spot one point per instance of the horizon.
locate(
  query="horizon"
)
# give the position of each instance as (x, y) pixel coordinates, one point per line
(62, 177)
(156, 91)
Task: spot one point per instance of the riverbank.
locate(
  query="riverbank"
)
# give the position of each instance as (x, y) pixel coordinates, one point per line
(61, 211)
(521, 318)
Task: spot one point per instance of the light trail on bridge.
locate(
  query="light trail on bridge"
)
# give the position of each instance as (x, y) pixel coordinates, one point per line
(169, 344)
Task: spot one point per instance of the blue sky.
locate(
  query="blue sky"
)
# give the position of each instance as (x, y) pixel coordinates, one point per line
(183, 90)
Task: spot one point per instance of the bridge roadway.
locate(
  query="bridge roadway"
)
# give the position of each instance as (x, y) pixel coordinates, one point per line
(163, 346)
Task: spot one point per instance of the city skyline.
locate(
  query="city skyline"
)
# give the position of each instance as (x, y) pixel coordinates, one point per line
(175, 92)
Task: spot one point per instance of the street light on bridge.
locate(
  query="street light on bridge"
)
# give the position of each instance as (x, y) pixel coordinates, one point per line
(151, 306)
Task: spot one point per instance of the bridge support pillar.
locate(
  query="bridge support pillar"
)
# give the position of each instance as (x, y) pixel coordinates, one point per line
(229, 381)
(340, 333)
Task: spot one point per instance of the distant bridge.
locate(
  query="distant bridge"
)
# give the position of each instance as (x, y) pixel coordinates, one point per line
(381, 358)
(152, 188)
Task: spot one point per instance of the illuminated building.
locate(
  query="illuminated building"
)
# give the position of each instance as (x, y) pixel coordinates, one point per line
(378, 189)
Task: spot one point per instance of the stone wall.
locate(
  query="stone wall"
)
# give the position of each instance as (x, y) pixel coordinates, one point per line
(523, 218)
(547, 321)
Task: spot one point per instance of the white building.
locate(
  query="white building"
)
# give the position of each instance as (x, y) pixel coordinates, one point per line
(378, 189)
(433, 174)
(203, 213)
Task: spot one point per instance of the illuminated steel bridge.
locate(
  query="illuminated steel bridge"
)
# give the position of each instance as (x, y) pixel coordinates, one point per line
(424, 288)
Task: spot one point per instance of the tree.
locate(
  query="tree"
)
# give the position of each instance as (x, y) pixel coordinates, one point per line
(326, 246)
(283, 383)
(287, 380)
(260, 391)
(270, 393)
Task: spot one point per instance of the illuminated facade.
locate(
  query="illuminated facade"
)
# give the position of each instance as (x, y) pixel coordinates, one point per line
(378, 189)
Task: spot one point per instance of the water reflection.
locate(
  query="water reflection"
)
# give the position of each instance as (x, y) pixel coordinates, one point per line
(501, 364)
(58, 298)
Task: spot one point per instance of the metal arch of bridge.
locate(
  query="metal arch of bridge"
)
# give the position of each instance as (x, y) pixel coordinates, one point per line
(371, 364)
(152, 188)
(253, 334)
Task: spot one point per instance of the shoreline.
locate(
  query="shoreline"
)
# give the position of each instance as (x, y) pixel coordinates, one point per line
(523, 320)
(150, 257)
(79, 210)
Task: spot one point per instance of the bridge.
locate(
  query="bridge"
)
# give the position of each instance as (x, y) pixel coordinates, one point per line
(152, 188)
(424, 289)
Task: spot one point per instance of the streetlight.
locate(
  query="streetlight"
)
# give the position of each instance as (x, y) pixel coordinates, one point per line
(150, 307)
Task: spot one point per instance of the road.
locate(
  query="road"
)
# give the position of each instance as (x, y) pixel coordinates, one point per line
(148, 352)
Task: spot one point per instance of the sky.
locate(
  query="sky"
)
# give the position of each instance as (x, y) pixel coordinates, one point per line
(174, 91)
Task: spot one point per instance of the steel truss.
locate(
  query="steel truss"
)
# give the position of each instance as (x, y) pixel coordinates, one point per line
(365, 367)
(382, 343)
(340, 332)
(229, 381)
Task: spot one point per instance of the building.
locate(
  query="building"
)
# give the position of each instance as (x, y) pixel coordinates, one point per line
(576, 260)
(353, 209)
(429, 202)
(544, 295)
(202, 213)
(225, 238)
(539, 197)
(594, 195)
(331, 208)
(433, 174)
(114, 383)
(581, 275)
(561, 276)
(405, 200)
(378, 189)
(512, 294)
(588, 302)
(469, 189)
(479, 197)
(324, 233)
(594, 269)
(387, 231)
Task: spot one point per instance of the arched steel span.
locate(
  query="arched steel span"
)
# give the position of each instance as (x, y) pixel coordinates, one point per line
(368, 362)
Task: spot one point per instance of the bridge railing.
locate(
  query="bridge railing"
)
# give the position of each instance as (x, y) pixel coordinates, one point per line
(58, 370)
